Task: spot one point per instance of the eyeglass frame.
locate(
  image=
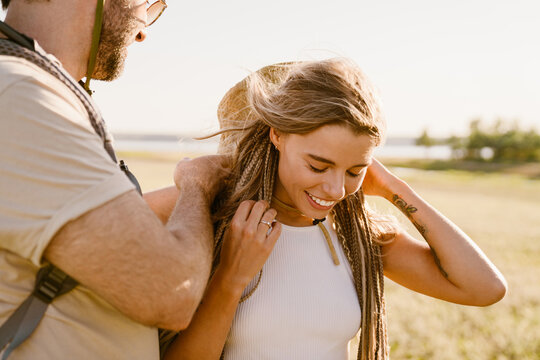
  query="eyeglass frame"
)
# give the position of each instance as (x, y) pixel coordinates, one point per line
(163, 3)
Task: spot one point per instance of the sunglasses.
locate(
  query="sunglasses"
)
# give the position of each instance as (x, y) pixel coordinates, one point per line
(154, 11)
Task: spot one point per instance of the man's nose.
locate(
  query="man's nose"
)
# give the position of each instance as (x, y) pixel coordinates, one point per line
(141, 36)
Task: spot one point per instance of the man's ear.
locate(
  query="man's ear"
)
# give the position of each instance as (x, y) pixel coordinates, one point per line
(275, 137)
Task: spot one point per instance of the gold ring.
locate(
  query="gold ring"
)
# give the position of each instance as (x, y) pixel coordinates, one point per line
(266, 223)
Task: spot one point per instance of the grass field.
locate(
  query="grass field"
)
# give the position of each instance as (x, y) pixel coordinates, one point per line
(501, 213)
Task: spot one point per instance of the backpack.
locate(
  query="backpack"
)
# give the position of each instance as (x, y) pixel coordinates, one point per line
(51, 282)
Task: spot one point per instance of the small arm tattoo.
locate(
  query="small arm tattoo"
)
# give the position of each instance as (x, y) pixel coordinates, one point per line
(408, 210)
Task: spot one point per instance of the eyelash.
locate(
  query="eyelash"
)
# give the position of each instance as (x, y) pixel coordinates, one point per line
(318, 171)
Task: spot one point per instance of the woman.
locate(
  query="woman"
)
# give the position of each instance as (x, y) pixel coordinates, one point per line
(308, 131)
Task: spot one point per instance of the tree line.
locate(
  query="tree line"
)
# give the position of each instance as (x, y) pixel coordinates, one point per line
(501, 141)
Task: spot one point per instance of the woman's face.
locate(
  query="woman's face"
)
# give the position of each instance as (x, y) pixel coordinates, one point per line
(318, 169)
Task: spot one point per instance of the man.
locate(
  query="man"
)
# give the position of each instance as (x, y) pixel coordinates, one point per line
(64, 201)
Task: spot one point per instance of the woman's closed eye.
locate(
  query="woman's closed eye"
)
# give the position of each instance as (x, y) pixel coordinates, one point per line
(319, 171)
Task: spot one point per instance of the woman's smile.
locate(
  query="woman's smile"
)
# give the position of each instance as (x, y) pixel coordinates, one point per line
(319, 203)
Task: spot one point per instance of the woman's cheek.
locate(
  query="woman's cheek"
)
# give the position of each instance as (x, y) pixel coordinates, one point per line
(356, 182)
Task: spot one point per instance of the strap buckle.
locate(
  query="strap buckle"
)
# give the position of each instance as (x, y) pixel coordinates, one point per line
(50, 284)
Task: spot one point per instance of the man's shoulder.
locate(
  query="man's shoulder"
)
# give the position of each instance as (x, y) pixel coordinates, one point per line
(23, 82)
(14, 69)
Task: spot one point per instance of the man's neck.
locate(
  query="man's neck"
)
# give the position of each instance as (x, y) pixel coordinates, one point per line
(62, 30)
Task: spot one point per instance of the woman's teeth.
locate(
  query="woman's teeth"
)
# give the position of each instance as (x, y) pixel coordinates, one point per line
(321, 201)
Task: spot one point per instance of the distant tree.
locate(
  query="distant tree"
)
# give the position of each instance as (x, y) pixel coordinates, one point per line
(477, 140)
(457, 146)
(426, 141)
(504, 141)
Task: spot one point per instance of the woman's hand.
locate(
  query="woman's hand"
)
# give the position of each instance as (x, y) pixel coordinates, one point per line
(248, 242)
(379, 181)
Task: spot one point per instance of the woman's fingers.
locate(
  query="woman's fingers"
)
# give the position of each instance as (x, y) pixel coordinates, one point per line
(272, 237)
(254, 221)
(266, 223)
(254, 218)
(243, 211)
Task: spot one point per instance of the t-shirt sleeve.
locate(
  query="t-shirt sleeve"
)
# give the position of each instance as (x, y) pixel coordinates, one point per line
(53, 165)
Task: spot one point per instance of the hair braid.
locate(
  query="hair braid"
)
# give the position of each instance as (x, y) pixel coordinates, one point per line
(363, 252)
(372, 268)
(252, 178)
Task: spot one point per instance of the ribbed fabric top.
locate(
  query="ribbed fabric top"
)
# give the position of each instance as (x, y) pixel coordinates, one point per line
(305, 306)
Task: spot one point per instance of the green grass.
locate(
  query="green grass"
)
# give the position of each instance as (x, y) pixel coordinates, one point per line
(501, 212)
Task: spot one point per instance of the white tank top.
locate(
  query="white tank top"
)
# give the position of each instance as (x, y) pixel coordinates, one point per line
(305, 307)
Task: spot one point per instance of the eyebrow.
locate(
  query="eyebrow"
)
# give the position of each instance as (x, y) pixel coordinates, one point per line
(330, 162)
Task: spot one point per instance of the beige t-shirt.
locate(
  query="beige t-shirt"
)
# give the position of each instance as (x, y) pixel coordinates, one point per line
(53, 169)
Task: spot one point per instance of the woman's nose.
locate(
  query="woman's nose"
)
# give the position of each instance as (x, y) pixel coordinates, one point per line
(334, 186)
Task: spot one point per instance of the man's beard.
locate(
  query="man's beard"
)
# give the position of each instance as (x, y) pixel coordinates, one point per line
(118, 28)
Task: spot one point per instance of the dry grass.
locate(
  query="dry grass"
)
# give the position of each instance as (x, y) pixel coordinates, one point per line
(502, 214)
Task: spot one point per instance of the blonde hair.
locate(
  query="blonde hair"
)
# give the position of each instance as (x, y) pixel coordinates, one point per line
(298, 98)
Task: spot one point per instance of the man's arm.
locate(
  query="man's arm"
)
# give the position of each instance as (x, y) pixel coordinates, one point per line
(162, 201)
(153, 274)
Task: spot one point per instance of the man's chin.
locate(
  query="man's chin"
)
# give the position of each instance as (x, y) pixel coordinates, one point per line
(109, 75)
(111, 69)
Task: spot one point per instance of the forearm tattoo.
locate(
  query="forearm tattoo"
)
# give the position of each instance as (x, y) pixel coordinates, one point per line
(408, 210)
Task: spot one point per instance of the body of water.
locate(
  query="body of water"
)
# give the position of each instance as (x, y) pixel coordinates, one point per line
(394, 148)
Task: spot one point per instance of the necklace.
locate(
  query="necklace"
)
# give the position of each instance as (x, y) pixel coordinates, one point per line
(319, 223)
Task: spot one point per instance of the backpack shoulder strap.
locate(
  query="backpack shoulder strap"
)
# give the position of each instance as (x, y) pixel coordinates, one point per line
(51, 282)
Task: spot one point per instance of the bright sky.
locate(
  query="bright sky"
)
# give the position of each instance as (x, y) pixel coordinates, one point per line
(437, 64)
